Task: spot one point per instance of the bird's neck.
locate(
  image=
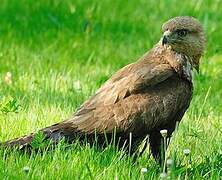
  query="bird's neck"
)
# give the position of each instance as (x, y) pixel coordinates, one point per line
(178, 61)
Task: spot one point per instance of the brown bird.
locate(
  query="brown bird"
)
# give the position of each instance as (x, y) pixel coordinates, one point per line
(141, 98)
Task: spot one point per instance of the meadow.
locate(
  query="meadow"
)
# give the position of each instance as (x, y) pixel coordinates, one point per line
(59, 52)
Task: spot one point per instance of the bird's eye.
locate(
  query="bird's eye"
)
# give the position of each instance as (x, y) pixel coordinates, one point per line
(182, 32)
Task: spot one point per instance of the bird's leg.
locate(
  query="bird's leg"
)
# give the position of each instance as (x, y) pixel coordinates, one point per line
(156, 148)
(136, 152)
(157, 145)
(131, 145)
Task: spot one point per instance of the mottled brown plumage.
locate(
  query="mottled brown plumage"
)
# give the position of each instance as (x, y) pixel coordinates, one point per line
(141, 98)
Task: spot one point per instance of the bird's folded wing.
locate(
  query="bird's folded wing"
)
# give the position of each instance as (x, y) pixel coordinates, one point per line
(127, 81)
(107, 109)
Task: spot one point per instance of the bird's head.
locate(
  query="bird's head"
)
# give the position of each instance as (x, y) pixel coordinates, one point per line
(185, 35)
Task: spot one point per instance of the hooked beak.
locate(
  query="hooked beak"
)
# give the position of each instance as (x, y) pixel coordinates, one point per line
(166, 37)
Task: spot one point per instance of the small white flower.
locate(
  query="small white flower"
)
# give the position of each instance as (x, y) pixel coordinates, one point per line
(26, 169)
(186, 152)
(163, 132)
(8, 78)
(144, 170)
(77, 85)
(163, 175)
(169, 162)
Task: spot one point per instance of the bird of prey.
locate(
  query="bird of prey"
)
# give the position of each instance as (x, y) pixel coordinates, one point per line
(140, 99)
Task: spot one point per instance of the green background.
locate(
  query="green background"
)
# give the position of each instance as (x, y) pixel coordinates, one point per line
(59, 52)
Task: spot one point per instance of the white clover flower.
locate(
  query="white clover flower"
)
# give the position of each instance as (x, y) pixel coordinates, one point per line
(26, 169)
(163, 175)
(169, 162)
(144, 170)
(163, 132)
(186, 152)
(8, 78)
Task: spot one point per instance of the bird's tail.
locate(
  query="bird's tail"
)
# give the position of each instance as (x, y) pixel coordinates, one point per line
(20, 142)
(53, 133)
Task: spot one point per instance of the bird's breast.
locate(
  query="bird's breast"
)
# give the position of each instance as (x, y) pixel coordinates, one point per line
(160, 104)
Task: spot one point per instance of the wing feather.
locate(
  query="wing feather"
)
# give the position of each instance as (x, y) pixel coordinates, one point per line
(106, 110)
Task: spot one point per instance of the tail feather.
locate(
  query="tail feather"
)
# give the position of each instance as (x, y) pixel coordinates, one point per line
(19, 142)
(53, 133)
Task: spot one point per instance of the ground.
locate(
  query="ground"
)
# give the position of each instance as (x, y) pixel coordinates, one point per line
(59, 52)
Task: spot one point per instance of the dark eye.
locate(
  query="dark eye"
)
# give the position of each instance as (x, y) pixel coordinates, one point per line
(182, 32)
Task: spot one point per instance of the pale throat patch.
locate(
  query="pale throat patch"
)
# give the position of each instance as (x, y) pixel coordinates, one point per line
(187, 70)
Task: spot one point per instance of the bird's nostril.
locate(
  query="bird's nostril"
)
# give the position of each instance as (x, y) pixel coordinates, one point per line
(164, 40)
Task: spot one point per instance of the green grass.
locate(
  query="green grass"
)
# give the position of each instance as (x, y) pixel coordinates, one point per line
(59, 52)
